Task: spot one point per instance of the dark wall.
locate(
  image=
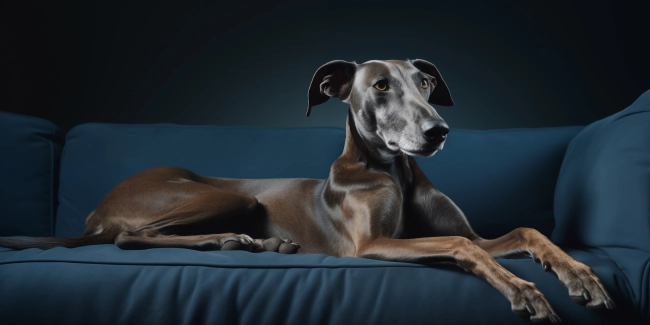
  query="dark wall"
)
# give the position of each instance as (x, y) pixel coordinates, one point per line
(525, 64)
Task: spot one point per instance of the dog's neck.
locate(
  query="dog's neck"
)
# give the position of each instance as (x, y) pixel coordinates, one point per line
(374, 155)
(364, 145)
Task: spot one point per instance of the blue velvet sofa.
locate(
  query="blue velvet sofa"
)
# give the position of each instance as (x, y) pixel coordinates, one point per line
(587, 188)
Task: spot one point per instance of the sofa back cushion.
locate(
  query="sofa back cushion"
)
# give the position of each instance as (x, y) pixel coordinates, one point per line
(99, 156)
(502, 179)
(30, 149)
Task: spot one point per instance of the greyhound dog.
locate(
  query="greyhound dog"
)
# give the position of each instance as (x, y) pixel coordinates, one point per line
(376, 202)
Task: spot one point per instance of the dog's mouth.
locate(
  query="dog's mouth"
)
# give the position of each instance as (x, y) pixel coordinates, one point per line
(422, 151)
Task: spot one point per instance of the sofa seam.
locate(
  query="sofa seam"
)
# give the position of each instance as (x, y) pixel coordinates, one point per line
(221, 266)
(644, 284)
(628, 285)
(52, 185)
(64, 148)
(186, 126)
(398, 264)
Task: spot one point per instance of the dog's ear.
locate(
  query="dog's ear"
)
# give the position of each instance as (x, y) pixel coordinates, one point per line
(440, 94)
(333, 79)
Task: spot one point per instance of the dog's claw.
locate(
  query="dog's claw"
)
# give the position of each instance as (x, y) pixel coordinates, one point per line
(530, 309)
(536, 259)
(547, 266)
(554, 318)
(587, 296)
(582, 299)
(609, 304)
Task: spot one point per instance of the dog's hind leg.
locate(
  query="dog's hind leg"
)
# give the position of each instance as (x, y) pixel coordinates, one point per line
(190, 224)
(225, 241)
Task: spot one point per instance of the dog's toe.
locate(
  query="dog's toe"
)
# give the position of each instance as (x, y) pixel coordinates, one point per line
(231, 245)
(526, 312)
(530, 303)
(273, 244)
(236, 242)
(606, 304)
(582, 299)
(288, 248)
(585, 288)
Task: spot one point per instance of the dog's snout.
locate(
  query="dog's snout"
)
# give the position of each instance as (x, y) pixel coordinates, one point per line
(435, 130)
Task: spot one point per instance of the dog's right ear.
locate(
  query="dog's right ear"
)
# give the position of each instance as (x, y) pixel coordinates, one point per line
(333, 79)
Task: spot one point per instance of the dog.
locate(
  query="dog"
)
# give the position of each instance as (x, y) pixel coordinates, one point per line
(376, 202)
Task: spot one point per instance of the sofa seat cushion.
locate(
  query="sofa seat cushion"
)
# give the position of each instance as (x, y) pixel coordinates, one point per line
(105, 285)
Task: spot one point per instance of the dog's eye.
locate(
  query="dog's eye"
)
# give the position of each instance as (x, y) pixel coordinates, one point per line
(424, 84)
(381, 85)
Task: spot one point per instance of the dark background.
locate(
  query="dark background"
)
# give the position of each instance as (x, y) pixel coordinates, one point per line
(522, 64)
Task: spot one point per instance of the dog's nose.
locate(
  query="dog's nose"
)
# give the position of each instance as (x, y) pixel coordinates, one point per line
(435, 130)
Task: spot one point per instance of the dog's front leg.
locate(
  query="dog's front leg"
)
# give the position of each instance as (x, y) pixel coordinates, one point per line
(584, 286)
(435, 213)
(525, 299)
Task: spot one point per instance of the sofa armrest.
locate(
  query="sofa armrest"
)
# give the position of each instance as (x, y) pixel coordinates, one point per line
(602, 195)
(29, 168)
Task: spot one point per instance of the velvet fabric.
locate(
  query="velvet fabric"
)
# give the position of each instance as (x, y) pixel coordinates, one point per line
(593, 200)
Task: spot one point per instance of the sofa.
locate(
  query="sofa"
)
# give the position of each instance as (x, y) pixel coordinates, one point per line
(585, 187)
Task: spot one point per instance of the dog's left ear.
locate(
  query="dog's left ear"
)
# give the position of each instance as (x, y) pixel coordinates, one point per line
(440, 94)
(333, 79)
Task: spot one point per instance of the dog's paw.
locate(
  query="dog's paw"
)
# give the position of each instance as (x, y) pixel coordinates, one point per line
(284, 246)
(229, 242)
(584, 286)
(530, 303)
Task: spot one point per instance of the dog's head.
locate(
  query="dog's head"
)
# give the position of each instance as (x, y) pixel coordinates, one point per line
(390, 102)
